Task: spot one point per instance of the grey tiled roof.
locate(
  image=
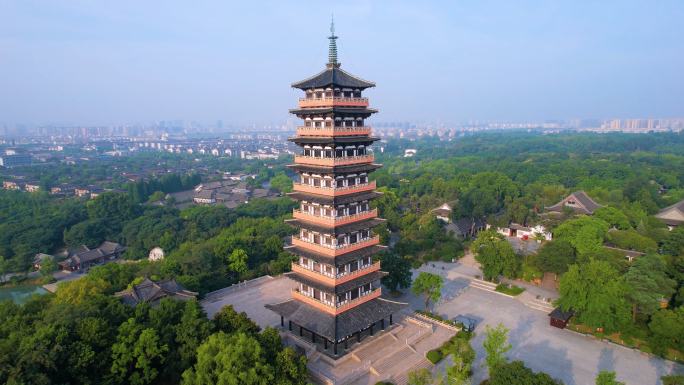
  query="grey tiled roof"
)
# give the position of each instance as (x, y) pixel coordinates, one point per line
(340, 259)
(76, 250)
(366, 140)
(333, 76)
(336, 327)
(336, 230)
(151, 291)
(587, 205)
(340, 288)
(366, 112)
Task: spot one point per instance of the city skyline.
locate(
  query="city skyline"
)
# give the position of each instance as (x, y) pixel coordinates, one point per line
(88, 64)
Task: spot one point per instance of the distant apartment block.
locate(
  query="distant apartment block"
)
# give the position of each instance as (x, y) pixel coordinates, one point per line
(16, 160)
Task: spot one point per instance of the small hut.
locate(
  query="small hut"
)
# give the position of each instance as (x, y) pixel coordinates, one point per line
(559, 318)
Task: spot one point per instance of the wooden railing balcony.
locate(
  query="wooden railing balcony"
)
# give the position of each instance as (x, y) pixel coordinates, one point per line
(330, 278)
(325, 306)
(332, 221)
(334, 161)
(333, 131)
(332, 250)
(334, 191)
(333, 101)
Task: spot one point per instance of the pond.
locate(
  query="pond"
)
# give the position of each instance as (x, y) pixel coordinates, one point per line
(20, 294)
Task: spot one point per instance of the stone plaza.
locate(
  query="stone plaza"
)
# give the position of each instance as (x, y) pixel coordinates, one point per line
(563, 354)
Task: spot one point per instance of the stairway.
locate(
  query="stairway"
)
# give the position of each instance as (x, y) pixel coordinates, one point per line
(402, 377)
(530, 301)
(482, 285)
(384, 364)
(363, 354)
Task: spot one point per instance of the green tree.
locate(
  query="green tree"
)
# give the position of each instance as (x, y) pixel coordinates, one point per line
(496, 345)
(157, 196)
(674, 242)
(48, 267)
(585, 234)
(112, 205)
(78, 291)
(649, 283)
(398, 269)
(193, 328)
(516, 372)
(667, 328)
(555, 256)
(274, 244)
(597, 292)
(420, 376)
(230, 321)
(428, 286)
(236, 359)
(607, 377)
(462, 355)
(137, 353)
(495, 254)
(614, 217)
(238, 261)
(673, 379)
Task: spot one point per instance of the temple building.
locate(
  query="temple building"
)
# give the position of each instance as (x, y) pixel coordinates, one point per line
(337, 296)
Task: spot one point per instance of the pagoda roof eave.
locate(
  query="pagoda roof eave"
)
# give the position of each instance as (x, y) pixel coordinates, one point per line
(338, 260)
(333, 139)
(339, 200)
(354, 168)
(333, 76)
(335, 109)
(336, 230)
(339, 288)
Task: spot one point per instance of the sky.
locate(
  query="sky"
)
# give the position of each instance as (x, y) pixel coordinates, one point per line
(135, 62)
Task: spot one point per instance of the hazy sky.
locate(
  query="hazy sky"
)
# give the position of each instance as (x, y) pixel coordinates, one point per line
(121, 62)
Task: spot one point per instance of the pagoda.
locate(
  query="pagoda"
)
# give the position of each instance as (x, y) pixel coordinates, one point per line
(337, 296)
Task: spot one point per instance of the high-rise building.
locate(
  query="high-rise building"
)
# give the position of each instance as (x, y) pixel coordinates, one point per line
(219, 124)
(337, 296)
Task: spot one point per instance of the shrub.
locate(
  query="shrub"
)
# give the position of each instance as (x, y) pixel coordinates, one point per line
(449, 322)
(537, 296)
(477, 276)
(444, 349)
(529, 277)
(501, 287)
(433, 356)
(495, 280)
(447, 258)
(459, 325)
(463, 335)
(645, 349)
(419, 311)
(598, 335)
(427, 313)
(437, 317)
(627, 341)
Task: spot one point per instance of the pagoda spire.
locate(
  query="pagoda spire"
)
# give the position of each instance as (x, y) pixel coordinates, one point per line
(332, 52)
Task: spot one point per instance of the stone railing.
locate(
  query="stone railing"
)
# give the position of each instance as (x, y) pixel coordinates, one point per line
(331, 191)
(418, 336)
(333, 101)
(341, 307)
(334, 220)
(438, 323)
(333, 131)
(321, 161)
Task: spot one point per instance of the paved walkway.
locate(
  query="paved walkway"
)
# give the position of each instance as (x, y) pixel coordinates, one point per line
(565, 355)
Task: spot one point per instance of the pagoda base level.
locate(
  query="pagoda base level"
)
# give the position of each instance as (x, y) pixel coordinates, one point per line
(357, 341)
(339, 332)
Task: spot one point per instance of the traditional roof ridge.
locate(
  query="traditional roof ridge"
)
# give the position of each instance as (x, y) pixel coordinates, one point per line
(679, 206)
